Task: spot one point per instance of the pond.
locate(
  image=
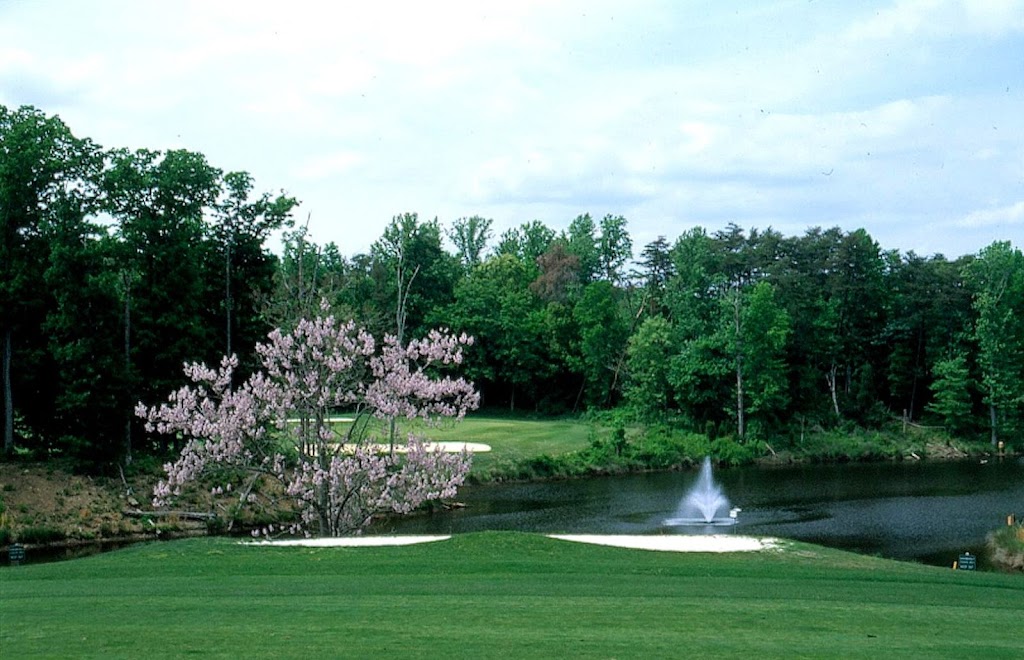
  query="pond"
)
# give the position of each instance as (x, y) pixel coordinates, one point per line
(921, 511)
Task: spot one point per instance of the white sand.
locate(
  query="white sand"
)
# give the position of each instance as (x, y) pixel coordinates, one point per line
(451, 447)
(472, 447)
(400, 448)
(676, 543)
(351, 541)
(669, 543)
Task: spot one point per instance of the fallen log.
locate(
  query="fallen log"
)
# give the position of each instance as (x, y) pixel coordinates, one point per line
(183, 515)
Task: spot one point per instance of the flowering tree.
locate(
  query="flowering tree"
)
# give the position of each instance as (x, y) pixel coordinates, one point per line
(276, 427)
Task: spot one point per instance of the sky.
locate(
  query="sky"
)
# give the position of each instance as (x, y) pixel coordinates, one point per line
(905, 118)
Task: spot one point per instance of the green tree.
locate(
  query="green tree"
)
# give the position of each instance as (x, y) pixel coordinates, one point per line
(306, 275)
(614, 249)
(756, 329)
(160, 200)
(581, 240)
(833, 287)
(420, 275)
(997, 277)
(83, 326)
(647, 389)
(697, 371)
(731, 330)
(527, 243)
(656, 269)
(952, 394)
(929, 315)
(470, 236)
(852, 318)
(509, 360)
(240, 229)
(45, 175)
(800, 276)
(603, 333)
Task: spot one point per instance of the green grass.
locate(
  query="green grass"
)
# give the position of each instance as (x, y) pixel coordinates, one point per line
(502, 595)
(512, 439)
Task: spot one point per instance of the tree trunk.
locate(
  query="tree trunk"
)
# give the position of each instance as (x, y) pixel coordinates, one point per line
(327, 513)
(8, 398)
(830, 377)
(227, 293)
(400, 315)
(740, 417)
(128, 365)
(992, 420)
(917, 370)
(740, 413)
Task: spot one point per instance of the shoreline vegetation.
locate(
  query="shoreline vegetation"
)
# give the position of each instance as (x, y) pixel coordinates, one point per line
(45, 504)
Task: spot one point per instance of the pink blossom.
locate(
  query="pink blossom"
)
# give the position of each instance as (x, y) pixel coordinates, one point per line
(275, 425)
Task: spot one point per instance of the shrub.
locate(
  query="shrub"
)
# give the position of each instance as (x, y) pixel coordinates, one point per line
(730, 452)
(216, 526)
(1006, 546)
(41, 534)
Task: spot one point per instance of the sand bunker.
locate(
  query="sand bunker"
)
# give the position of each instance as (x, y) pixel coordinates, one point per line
(675, 543)
(452, 447)
(472, 447)
(352, 541)
(448, 447)
(666, 543)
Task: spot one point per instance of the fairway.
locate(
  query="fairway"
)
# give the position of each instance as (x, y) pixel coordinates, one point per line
(502, 594)
(510, 438)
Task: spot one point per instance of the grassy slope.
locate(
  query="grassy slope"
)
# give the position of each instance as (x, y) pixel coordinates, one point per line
(502, 594)
(513, 438)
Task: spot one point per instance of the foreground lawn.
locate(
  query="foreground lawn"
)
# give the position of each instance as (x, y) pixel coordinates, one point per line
(502, 595)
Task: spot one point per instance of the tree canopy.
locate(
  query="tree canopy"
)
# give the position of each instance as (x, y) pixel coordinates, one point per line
(117, 267)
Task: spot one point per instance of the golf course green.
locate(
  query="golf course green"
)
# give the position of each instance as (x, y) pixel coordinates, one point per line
(502, 594)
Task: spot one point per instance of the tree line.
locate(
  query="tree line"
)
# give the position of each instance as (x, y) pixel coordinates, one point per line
(118, 266)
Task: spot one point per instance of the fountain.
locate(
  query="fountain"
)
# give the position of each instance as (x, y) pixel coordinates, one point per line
(705, 504)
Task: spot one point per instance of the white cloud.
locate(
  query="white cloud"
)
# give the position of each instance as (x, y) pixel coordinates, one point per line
(329, 165)
(900, 116)
(940, 18)
(1003, 215)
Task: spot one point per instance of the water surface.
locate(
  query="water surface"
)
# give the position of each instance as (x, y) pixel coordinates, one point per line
(920, 511)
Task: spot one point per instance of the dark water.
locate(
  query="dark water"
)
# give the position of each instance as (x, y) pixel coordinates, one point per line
(45, 555)
(926, 512)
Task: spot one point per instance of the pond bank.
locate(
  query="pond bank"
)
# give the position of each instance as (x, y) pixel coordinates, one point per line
(613, 451)
(49, 508)
(1006, 546)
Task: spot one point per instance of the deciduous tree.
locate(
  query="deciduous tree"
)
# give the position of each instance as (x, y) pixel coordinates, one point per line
(46, 176)
(997, 276)
(647, 388)
(159, 200)
(470, 236)
(952, 394)
(240, 228)
(277, 425)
